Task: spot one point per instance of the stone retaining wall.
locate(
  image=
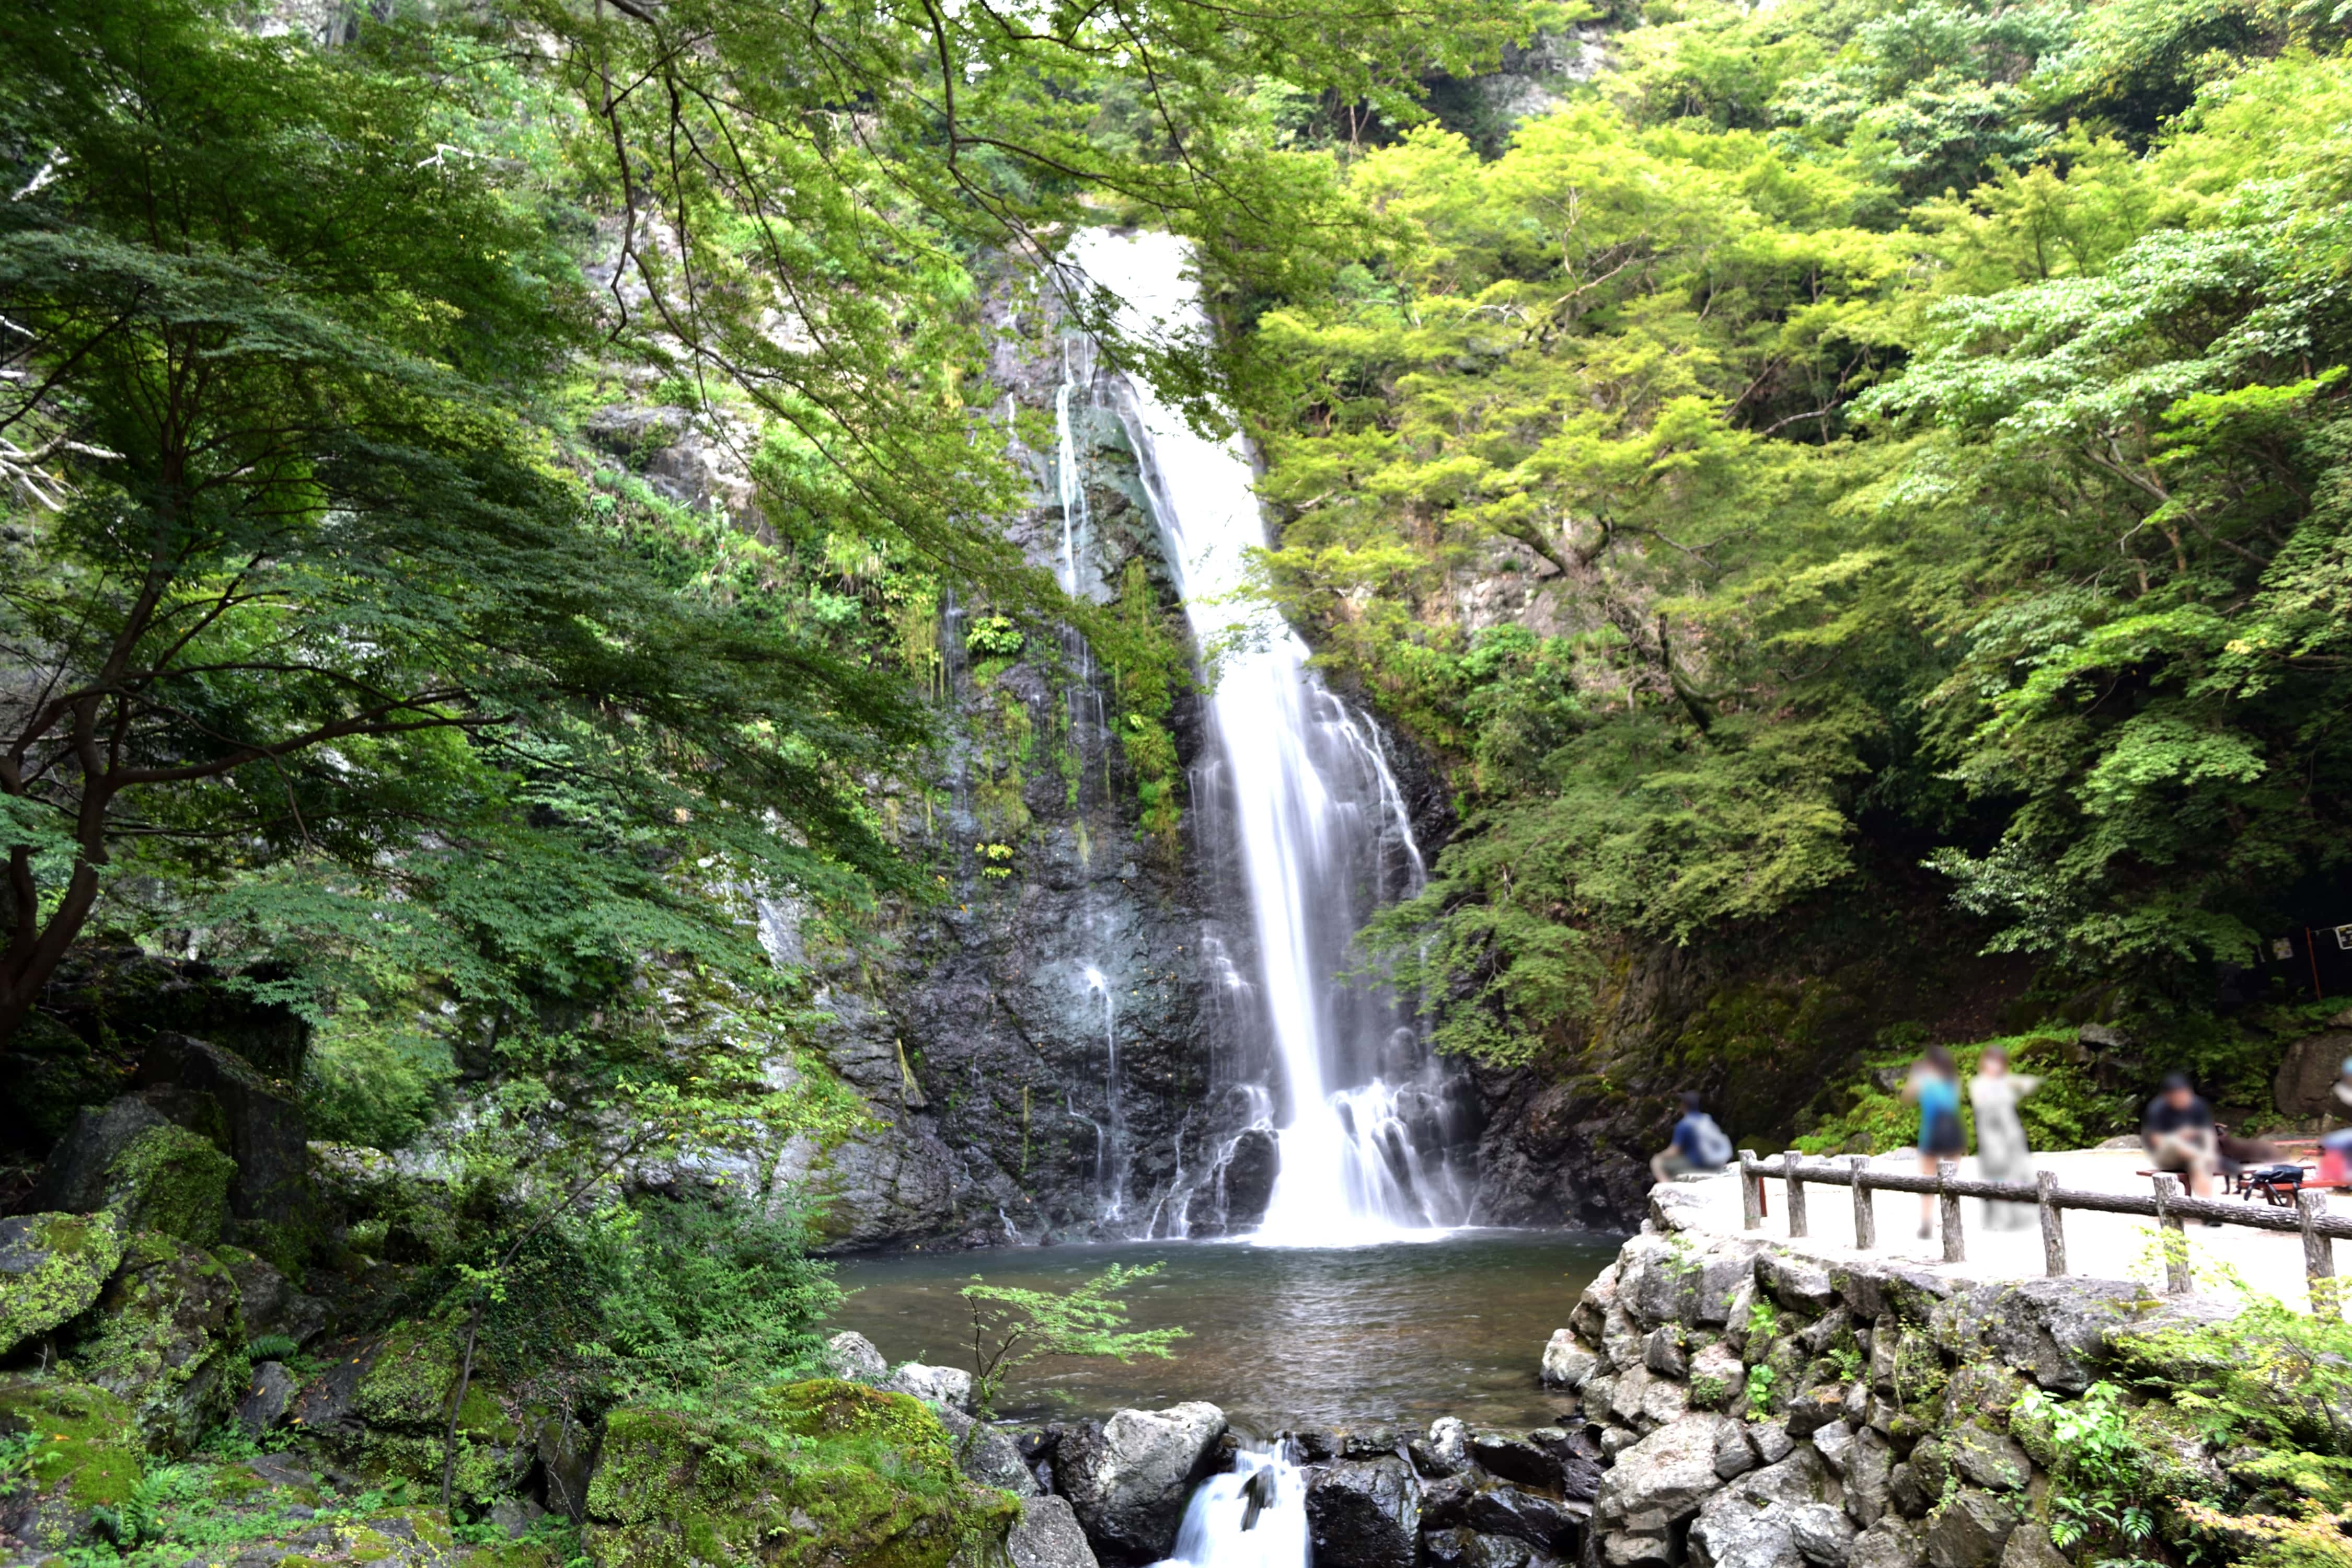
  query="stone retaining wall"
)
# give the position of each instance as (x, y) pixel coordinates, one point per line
(1762, 1408)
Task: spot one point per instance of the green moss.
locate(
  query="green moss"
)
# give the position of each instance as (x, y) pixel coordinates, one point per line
(166, 1336)
(408, 1385)
(172, 1181)
(60, 1263)
(817, 1473)
(87, 1441)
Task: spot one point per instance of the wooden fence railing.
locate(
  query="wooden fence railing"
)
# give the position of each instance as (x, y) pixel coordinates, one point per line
(2169, 1208)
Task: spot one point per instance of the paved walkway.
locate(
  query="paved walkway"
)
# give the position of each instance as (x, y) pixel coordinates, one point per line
(2098, 1245)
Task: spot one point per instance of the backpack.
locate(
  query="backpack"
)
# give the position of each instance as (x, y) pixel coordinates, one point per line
(1715, 1149)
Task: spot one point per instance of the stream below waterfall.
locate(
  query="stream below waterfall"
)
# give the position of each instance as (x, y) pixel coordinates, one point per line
(1279, 1337)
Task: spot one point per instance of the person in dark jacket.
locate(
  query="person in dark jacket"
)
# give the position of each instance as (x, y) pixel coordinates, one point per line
(2178, 1132)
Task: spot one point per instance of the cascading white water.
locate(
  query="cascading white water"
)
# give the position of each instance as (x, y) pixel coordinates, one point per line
(1252, 1516)
(1110, 1161)
(1315, 814)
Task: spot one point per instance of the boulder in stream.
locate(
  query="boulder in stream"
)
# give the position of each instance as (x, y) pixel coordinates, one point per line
(1128, 1477)
(1365, 1513)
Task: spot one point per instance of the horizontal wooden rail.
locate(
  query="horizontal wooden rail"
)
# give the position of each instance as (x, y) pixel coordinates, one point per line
(2168, 1206)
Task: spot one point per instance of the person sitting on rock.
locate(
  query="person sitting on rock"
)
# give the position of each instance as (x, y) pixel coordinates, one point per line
(1699, 1145)
(2178, 1132)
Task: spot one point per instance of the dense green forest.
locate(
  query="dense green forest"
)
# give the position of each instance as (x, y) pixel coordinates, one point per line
(1881, 455)
(1921, 426)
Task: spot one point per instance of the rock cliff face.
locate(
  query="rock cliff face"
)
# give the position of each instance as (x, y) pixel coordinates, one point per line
(1040, 1048)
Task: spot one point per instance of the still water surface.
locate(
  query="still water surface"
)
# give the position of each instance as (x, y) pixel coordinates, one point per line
(1278, 1336)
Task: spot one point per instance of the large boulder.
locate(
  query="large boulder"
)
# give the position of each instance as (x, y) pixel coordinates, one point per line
(74, 1178)
(1566, 1362)
(946, 1386)
(852, 1355)
(1365, 1513)
(400, 1418)
(2304, 1086)
(86, 1457)
(1129, 1477)
(1670, 1472)
(1777, 1517)
(2055, 1331)
(1970, 1530)
(820, 1474)
(1504, 1510)
(52, 1267)
(267, 1137)
(170, 1181)
(165, 1337)
(985, 1454)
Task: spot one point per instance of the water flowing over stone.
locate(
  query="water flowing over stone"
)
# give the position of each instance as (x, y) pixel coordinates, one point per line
(1252, 1516)
(1298, 808)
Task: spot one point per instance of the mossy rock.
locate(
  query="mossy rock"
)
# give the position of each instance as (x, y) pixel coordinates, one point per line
(822, 1474)
(172, 1181)
(407, 1385)
(401, 1402)
(52, 1267)
(166, 1336)
(86, 1457)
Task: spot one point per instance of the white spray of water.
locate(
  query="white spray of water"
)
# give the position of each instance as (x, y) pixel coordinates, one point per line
(1252, 1516)
(1301, 773)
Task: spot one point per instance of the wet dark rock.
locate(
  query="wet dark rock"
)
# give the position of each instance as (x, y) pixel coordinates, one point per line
(1315, 1444)
(1468, 1549)
(1367, 1443)
(567, 1460)
(1540, 1522)
(1514, 1458)
(267, 1133)
(1365, 1513)
(1576, 1456)
(1237, 1197)
(268, 1394)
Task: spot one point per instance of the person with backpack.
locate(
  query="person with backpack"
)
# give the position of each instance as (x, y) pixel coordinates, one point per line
(1699, 1145)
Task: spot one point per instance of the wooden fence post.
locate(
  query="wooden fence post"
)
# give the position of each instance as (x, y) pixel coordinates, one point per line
(2172, 1237)
(1865, 1217)
(1796, 1185)
(2053, 1224)
(2318, 1254)
(1751, 1191)
(1956, 1250)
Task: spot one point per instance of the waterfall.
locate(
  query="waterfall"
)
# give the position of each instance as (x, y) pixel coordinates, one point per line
(1305, 802)
(1221, 1529)
(1110, 1169)
(1078, 366)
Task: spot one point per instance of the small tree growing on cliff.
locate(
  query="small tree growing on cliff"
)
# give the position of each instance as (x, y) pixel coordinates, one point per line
(1012, 1327)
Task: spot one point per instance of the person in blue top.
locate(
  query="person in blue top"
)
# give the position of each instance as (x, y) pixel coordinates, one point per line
(1935, 1086)
(1699, 1144)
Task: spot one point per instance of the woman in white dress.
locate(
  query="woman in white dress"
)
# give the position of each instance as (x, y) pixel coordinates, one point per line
(2002, 1154)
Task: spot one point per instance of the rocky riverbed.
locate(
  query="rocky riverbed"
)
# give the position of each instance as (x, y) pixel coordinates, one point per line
(1735, 1405)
